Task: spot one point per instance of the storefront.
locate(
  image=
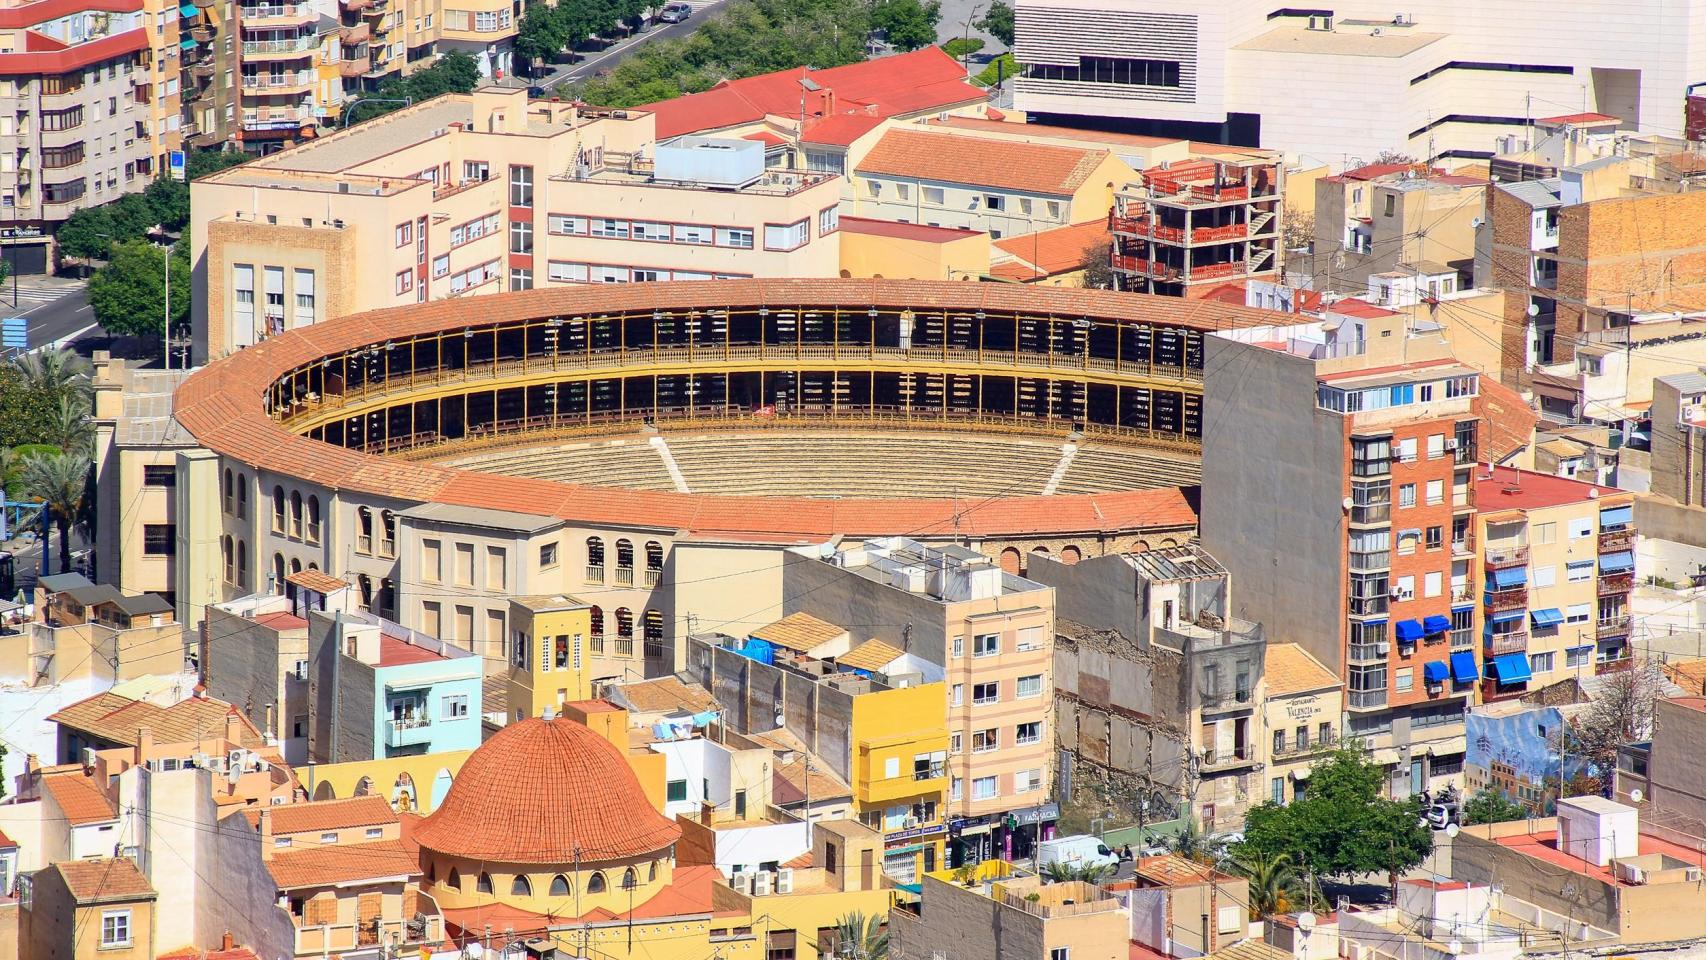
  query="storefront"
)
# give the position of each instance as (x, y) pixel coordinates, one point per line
(1009, 836)
(908, 854)
(24, 250)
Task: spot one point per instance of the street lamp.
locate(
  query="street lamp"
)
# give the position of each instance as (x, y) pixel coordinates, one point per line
(405, 101)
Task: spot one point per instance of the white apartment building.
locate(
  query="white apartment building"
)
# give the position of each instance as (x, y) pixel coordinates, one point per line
(1344, 82)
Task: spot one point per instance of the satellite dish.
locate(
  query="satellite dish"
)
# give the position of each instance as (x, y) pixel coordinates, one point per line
(1534, 309)
(826, 550)
(1636, 795)
(1306, 922)
(1452, 830)
(1455, 947)
(1349, 503)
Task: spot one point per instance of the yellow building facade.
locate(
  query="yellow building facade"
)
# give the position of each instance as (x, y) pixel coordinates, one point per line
(900, 773)
(550, 664)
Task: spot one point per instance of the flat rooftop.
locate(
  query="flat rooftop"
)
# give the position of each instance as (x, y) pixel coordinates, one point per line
(1543, 845)
(372, 139)
(396, 652)
(1526, 490)
(1389, 42)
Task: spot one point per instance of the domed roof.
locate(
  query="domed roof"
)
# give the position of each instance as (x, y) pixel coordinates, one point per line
(546, 791)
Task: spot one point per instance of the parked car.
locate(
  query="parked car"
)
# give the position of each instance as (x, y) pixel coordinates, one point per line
(674, 13)
(537, 93)
(1441, 816)
(1080, 849)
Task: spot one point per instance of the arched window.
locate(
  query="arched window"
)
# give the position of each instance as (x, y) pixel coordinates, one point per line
(296, 513)
(595, 558)
(596, 614)
(277, 509)
(363, 530)
(242, 564)
(278, 573)
(521, 887)
(624, 555)
(625, 623)
(228, 492)
(432, 871)
(387, 533)
(295, 565)
(228, 554)
(652, 627)
(654, 562)
(595, 883)
(652, 872)
(484, 884)
(387, 598)
(630, 879)
(364, 585)
(313, 519)
(559, 886)
(242, 496)
(454, 881)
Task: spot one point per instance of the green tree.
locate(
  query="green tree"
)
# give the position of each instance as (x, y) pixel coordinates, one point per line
(200, 163)
(861, 937)
(1491, 806)
(56, 373)
(132, 216)
(86, 234)
(1343, 826)
(62, 482)
(997, 21)
(1098, 264)
(908, 24)
(128, 295)
(543, 31)
(1061, 872)
(1191, 843)
(1000, 70)
(26, 415)
(169, 200)
(1275, 886)
(962, 47)
(5, 269)
(70, 429)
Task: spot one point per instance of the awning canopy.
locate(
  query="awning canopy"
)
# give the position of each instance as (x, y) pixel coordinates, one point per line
(1463, 668)
(1506, 616)
(1510, 668)
(1549, 617)
(188, 10)
(1460, 607)
(1616, 516)
(1408, 631)
(1436, 624)
(1508, 577)
(1435, 671)
(186, 44)
(1622, 561)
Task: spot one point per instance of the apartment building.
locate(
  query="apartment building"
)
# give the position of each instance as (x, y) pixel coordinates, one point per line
(136, 448)
(1374, 431)
(1393, 218)
(1445, 81)
(1006, 913)
(873, 716)
(991, 634)
(254, 652)
(77, 92)
(995, 186)
(1304, 707)
(1148, 649)
(472, 194)
(83, 909)
(1186, 228)
(1559, 564)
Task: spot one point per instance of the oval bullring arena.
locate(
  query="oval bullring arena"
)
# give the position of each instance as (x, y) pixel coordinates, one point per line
(641, 416)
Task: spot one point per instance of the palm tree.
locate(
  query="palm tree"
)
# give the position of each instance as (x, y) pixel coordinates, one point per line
(72, 430)
(1191, 843)
(1062, 871)
(1275, 886)
(56, 372)
(61, 481)
(859, 937)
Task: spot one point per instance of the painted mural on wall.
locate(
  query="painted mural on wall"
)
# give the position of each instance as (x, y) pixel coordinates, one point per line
(1522, 755)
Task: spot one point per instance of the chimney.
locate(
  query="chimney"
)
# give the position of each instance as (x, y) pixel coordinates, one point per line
(706, 809)
(144, 745)
(266, 834)
(32, 763)
(233, 727)
(225, 942)
(269, 728)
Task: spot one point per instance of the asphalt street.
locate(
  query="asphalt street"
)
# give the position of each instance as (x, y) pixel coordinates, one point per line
(57, 312)
(609, 58)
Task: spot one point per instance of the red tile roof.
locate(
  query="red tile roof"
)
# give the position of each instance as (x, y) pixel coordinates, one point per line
(321, 815)
(1060, 250)
(1526, 490)
(110, 716)
(905, 231)
(281, 621)
(331, 864)
(316, 581)
(79, 797)
(104, 880)
(766, 137)
(394, 652)
(982, 161)
(909, 83)
(1355, 307)
(1506, 418)
(1374, 171)
(54, 58)
(839, 130)
(546, 791)
(221, 405)
(194, 953)
(1570, 119)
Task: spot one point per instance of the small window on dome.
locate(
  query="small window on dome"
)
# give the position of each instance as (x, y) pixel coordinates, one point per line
(521, 887)
(652, 872)
(454, 881)
(630, 879)
(595, 883)
(559, 886)
(484, 884)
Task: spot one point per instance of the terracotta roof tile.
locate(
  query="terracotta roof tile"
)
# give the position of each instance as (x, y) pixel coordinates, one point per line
(664, 695)
(1690, 675)
(873, 654)
(799, 631)
(546, 791)
(982, 161)
(1060, 250)
(839, 130)
(317, 581)
(1290, 670)
(79, 797)
(106, 879)
(115, 718)
(788, 782)
(195, 953)
(1507, 418)
(340, 863)
(320, 815)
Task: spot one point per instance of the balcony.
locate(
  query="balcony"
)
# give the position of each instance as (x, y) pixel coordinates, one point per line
(408, 732)
(350, 69)
(1371, 560)
(275, 14)
(1462, 500)
(202, 34)
(653, 575)
(294, 47)
(337, 938)
(1499, 644)
(360, 33)
(1605, 665)
(1218, 702)
(1368, 652)
(1510, 598)
(1462, 593)
(624, 576)
(1214, 761)
(202, 71)
(1371, 513)
(284, 118)
(1614, 626)
(1500, 557)
(1365, 699)
(595, 573)
(1292, 748)
(1369, 606)
(278, 83)
(1612, 541)
(1612, 584)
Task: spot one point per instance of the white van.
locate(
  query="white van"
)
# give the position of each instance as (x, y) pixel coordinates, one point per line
(1082, 850)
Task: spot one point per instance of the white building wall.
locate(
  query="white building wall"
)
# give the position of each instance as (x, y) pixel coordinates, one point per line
(748, 847)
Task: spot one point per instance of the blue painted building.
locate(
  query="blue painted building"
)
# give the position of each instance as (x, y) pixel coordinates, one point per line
(388, 691)
(1521, 751)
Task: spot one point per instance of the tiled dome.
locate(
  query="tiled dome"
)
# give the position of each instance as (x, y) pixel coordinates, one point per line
(546, 791)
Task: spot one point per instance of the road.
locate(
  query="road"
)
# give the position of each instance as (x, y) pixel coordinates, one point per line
(606, 59)
(57, 311)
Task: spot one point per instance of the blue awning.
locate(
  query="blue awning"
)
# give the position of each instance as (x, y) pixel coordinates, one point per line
(1463, 667)
(1435, 671)
(1615, 516)
(1620, 562)
(1549, 617)
(1508, 577)
(1377, 622)
(188, 10)
(1510, 668)
(1408, 631)
(1506, 616)
(1436, 624)
(1460, 607)
(186, 45)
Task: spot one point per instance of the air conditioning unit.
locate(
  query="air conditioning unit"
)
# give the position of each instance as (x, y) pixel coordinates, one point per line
(89, 757)
(785, 879)
(1693, 874)
(1451, 443)
(761, 883)
(236, 758)
(910, 822)
(1629, 873)
(742, 882)
(201, 760)
(1383, 648)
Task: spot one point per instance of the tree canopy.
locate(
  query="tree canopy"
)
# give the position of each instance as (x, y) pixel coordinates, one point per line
(1491, 806)
(1342, 826)
(908, 24)
(997, 21)
(200, 163)
(546, 29)
(453, 72)
(128, 295)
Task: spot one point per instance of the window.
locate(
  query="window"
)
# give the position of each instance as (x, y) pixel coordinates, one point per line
(567, 272)
(1031, 686)
(1279, 742)
(1578, 613)
(828, 220)
(559, 886)
(520, 236)
(677, 791)
(115, 928)
(281, 841)
(1431, 583)
(874, 188)
(1435, 538)
(520, 886)
(330, 836)
(696, 234)
(159, 539)
(1545, 575)
(995, 202)
(1581, 527)
(1404, 679)
(484, 883)
(985, 741)
(1436, 492)
(958, 695)
(1578, 656)
(1028, 733)
(1030, 638)
(520, 179)
(405, 281)
(161, 476)
(1407, 450)
(1027, 781)
(1579, 570)
(440, 265)
(304, 297)
(1406, 495)
(547, 556)
(982, 693)
(959, 646)
(734, 237)
(454, 706)
(787, 236)
(650, 230)
(986, 645)
(956, 788)
(1541, 662)
(934, 195)
(955, 744)
(983, 788)
(1544, 532)
(405, 233)
(1436, 445)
